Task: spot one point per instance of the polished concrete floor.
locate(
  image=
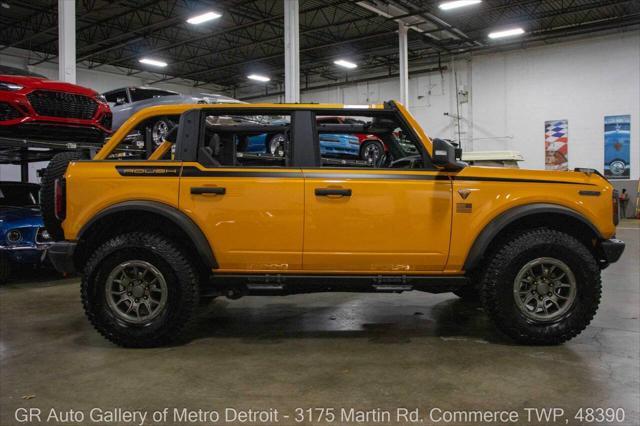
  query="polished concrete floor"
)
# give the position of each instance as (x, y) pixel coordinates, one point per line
(362, 351)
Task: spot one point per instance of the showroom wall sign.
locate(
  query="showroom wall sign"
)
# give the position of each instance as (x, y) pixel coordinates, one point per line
(617, 146)
(556, 140)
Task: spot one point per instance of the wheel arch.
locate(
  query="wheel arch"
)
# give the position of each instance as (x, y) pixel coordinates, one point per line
(538, 214)
(150, 215)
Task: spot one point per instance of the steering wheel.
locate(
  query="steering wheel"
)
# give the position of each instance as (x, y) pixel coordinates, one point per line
(409, 162)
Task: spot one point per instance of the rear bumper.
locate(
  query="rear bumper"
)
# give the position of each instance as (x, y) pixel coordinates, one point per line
(612, 249)
(61, 256)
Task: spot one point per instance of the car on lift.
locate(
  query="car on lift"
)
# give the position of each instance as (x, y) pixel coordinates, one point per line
(23, 239)
(126, 101)
(33, 107)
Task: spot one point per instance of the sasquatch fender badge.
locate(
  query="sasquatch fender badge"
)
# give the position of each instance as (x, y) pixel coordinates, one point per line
(464, 193)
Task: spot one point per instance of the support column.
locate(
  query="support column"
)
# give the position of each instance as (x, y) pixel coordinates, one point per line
(291, 51)
(24, 166)
(404, 64)
(67, 41)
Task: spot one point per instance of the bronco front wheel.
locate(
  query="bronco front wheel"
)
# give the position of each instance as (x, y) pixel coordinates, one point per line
(139, 290)
(541, 287)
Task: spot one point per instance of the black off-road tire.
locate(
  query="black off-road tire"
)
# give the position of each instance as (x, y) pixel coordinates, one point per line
(5, 269)
(55, 170)
(503, 266)
(182, 279)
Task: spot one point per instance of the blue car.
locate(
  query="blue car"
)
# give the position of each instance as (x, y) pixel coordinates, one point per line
(331, 145)
(617, 149)
(23, 239)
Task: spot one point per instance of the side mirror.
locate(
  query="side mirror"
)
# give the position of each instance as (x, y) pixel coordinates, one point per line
(446, 155)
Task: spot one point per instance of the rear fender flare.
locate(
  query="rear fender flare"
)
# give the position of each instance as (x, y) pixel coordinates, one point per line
(188, 226)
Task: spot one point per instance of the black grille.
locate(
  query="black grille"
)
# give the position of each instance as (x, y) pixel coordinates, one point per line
(60, 104)
(50, 132)
(7, 112)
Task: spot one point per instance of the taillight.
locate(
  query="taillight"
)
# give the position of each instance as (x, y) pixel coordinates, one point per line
(59, 199)
(616, 207)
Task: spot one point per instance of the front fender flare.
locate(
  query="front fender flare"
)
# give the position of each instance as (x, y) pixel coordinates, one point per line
(500, 222)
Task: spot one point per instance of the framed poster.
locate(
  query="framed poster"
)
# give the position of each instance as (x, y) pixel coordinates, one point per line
(556, 150)
(617, 146)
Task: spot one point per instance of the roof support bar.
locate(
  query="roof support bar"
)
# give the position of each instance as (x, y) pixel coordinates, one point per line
(291, 51)
(67, 40)
(404, 63)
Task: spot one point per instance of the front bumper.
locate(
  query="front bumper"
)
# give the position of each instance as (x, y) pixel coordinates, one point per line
(612, 249)
(25, 254)
(61, 256)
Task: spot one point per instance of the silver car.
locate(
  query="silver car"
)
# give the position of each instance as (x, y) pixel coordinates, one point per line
(126, 101)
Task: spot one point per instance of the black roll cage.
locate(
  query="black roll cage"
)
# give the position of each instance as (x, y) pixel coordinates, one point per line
(304, 129)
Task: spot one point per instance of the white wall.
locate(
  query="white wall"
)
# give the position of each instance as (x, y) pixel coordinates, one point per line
(514, 93)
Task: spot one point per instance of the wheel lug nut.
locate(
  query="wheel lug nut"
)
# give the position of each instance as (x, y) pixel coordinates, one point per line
(549, 294)
(128, 293)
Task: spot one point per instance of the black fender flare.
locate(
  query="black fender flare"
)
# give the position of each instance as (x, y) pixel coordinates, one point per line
(188, 226)
(493, 228)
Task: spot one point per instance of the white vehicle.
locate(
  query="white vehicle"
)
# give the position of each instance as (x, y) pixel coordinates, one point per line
(506, 159)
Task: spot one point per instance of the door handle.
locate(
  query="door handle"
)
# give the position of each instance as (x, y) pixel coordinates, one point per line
(199, 190)
(325, 192)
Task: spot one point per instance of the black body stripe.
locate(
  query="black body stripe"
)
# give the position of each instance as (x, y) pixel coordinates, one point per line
(496, 179)
(385, 176)
(159, 170)
(195, 172)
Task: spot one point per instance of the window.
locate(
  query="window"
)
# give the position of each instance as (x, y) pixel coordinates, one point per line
(139, 94)
(18, 195)
(366, 142)
(117, 97)
(245, 140)
(147, 137)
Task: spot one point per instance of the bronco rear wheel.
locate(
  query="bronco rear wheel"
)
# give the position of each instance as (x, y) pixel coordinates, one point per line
(541, 287)
(54, 175)
(139, 290)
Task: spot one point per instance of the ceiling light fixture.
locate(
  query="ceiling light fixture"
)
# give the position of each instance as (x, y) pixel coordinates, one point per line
(199, 19)
(258, 77)
(154, 62)
(507, 33)
(346, 64)
(458, 3)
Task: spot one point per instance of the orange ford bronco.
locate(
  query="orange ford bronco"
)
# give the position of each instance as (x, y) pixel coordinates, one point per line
(275, 199)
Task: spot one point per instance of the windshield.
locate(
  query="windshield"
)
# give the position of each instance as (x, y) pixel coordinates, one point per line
(18, 195)
(138, 94)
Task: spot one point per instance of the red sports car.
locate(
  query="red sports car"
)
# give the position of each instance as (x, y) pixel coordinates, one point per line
(371, 147)
(33, 107)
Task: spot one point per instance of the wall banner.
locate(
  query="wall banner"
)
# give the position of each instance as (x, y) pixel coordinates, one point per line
(617, 146)
(556, 140)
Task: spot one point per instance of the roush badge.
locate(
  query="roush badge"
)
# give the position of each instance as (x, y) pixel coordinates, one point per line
(147, 171)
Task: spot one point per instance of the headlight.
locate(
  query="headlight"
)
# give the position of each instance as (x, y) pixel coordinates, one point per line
(14, 236)
(101, 98)
(11, 87)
